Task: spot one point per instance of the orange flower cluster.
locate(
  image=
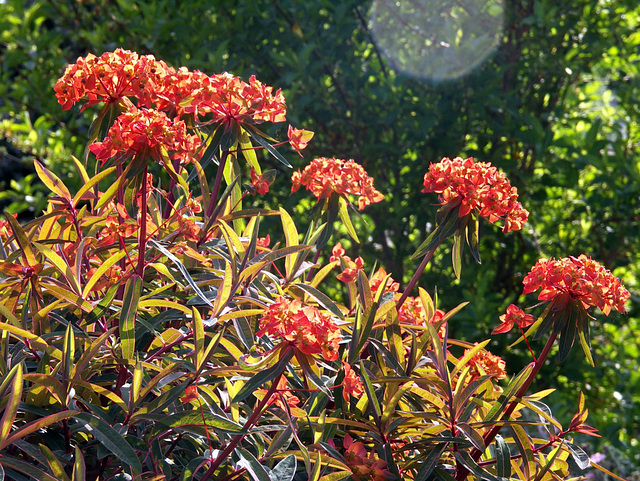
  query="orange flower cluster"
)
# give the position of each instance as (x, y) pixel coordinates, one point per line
(413, 312)
(281, 397)
(350, 273)
(376, 280)
(231, 100)
(326, 176)
(119, 74)
(513, 316)
(352, 385)
(479, 187)
(486, 364)
(143, 130)
(108, 78)
(306, 327)
(364, 466)
(581, 278)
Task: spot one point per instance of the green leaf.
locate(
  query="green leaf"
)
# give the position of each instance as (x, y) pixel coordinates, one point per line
(11, 408)
(472, 435)
(36, 425)
(52, 181)
(291, 238)
(568, 335)
(130, 299)
(509, 392)
(285, 470)
(183, 271)
(79, 467)
(322, 299)
(371, 394)
(263, 377)
(252, 465)
(430, 462)
(193, 418)
(467, 461)
(54, 463)
(90, 184)
(523, 442)
(503, 458)
(456, 254)
(26, 468)
(257, 136)
(111, 439)
(346, 220)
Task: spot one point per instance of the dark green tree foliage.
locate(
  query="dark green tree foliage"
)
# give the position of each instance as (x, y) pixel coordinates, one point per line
(555, 107)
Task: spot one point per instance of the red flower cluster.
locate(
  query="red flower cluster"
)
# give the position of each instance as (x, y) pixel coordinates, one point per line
(376, 280)
(581, 278)
(364, 466)
(484, 363)
(108, 78)
(306, 327)
(232, 100)
(325, 176)
(413, 312)
(142, 130)
(281, 397)
(514, 315)
(350, 273)
(352, 385)
(478, 186)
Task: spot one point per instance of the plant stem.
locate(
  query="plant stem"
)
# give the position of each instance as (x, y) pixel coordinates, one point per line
(416, 276)
(250, 422)
(142, 237)
(490, 436)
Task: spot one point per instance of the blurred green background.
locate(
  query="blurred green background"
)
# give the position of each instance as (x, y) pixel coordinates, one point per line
(555, 105)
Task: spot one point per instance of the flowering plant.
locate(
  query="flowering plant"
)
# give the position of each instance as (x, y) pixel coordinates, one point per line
(150, 330)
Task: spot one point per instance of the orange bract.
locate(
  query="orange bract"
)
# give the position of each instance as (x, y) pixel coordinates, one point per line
(514, 315)
(326, 176)
(479, 187)
(352, 385)
(108, 78)
(581, 278)
(306, 327)
(143, 130)
(485, 363)
(231, 100)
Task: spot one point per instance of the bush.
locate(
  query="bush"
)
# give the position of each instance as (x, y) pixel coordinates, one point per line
(152, 331)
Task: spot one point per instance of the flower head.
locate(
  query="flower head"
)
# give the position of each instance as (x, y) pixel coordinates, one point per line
(478, 186)
(230, 100)
(485, 363)
(513, 316)
(412, 311)
(327, 176)
(364, 466)
(299, 138)
(145, 130)
(306, 327)
(281, 397)
(580, 278)
(352, 385)
(108, 78)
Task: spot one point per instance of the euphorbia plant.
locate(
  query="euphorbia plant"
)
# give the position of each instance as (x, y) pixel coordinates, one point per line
(150, 330)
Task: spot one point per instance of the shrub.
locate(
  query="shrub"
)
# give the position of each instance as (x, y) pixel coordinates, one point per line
(151, 330)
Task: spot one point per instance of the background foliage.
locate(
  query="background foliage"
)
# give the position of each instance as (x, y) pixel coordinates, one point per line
(555, 108)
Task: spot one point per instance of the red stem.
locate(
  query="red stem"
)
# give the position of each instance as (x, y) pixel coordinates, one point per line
(142, 237)
(490, 436)
(416, 276)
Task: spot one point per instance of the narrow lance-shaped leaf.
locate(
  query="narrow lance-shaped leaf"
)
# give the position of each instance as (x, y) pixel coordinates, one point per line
(252, 465)
(523, 442)
(263, 377)
(79, 467)
(11, 408)
(503, 457)
(111, 439)
(52, 181)
(131, 297)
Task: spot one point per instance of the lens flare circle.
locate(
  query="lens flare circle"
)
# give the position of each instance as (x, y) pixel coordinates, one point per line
(437, 39)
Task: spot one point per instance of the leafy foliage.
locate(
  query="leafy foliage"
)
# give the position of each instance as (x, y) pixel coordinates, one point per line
(149, 331)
